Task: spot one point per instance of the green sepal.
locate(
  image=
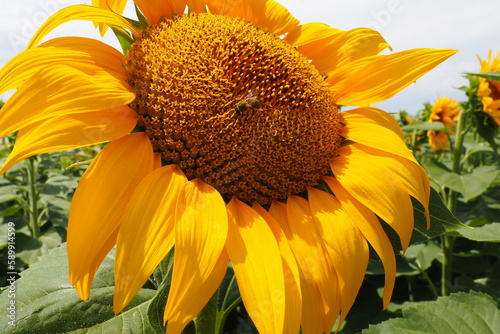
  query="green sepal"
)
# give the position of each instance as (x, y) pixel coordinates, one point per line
(124, 38)
(143, 21)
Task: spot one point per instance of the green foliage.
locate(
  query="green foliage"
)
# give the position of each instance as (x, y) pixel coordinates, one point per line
(35, 196)
(47, 303)
(488, 75)
(458, 313)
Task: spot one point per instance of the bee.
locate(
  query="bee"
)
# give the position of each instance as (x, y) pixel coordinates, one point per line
(250, 102)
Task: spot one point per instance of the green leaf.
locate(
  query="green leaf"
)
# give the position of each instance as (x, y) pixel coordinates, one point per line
(442, 220)
(422, 255)
(163, 276)
(486, 127)
(30, 249)
(163, 272)
(469, 313)
(495, 76)
(47, 303)
(473, 184)
(436, 126)
(469, 185)
(486, 233)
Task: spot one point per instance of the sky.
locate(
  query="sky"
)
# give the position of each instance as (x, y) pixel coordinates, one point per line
(471, 27)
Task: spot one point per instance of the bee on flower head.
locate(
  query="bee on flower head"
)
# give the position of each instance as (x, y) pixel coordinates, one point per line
(249, 102)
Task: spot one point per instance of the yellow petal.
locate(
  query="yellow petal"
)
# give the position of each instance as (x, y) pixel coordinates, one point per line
(157, 160)
(55, 91)
(311, 32)
(80, 12)
(76, 52)
(370, 227)
(313, 308)
(98, 205)
(201, 227)
(319, 275)
(344, 242)
(386, 75)
(266, 14)
(153, 10)
(342, 47)
(257, 265)
(115, 6)
(385, 135)
(375, 128)
(373, 178)
(293, 295)
(196, 6)
(341, 73)
(71, 131)
(277, 19)
(146, 234)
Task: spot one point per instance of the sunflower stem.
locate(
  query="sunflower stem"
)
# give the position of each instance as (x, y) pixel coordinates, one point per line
(206, 320)
(447, 241)
(33, 198)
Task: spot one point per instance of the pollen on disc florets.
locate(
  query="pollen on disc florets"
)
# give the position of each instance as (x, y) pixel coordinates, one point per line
(233, 105)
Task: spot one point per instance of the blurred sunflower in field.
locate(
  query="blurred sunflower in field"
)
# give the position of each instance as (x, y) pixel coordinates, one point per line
(446, 111)
(239, 153)
(489, 90)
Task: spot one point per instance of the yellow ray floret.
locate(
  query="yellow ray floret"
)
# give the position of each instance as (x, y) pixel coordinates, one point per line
(80, 12)
(149, 219)
(71, 131)
(256, 261)
(344, 242)
(201, 229)
(106, 188)
(53, 91)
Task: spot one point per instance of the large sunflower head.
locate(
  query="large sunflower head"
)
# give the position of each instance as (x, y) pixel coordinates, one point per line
(489, 90)
(227, 143)
(446, 111)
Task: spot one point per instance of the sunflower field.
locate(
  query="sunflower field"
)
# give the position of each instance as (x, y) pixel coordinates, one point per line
(227, 172)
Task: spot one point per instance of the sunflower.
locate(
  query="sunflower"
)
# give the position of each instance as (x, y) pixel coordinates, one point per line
(446, 111)
(489, 90)
(226, 141)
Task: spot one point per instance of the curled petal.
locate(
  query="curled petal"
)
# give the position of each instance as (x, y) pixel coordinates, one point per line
(80, 12)
(115, 6)
(76, 52)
